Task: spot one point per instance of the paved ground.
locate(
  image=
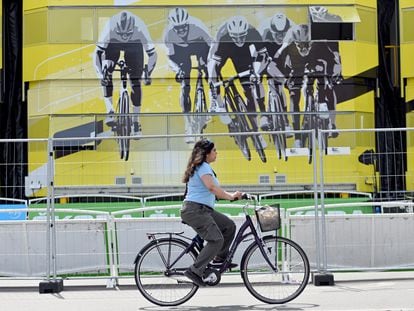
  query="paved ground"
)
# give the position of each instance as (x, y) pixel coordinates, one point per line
(352, 291)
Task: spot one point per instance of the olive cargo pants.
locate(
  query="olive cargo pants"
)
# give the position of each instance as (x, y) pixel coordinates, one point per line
(214, 227)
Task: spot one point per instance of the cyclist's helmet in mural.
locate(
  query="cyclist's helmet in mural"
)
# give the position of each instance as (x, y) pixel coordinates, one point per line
(125, 26)
(237, 27)
(301, 37)
(178, 18)
(321, 14)
(279, 25)
(318, 11)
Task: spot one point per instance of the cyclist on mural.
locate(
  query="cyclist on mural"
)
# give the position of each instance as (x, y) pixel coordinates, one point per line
(186, 36)
(235, 40)
(311, 62)
(277, 35)
(124, 32)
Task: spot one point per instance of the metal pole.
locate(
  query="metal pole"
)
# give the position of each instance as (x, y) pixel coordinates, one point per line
(315, 196)
(322, 201)
(52, 206)
(48, 223)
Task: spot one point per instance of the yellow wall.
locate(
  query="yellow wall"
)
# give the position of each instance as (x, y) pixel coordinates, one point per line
(58, 46)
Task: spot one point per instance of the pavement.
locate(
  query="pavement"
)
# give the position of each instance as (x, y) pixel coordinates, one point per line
(366, 291)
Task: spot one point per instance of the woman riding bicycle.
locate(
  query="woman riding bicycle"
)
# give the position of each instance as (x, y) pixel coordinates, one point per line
(202, 189)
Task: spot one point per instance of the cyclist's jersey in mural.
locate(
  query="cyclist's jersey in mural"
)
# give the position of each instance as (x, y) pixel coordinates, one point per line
(197, 34)
(224, 48)
(140, 35)
(320, 61)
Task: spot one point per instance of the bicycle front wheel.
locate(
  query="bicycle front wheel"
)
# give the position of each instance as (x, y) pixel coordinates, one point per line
(282, 285)
(159, 272)
(124, 126)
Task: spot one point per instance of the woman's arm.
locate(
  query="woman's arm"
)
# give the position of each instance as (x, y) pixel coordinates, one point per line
(217, 190)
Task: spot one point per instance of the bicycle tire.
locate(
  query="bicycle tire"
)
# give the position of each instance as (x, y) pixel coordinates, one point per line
(126, 128)
(324, 125)
(275, 287)
(278, 124)
(199, 121)
(123, 127)
(240, 140)
(259, 148)
(309, 123)
(279, 141)
(151, 272)
(238, 125)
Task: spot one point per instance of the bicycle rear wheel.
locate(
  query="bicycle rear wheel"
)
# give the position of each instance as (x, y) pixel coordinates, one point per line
(287, 282)
(241, 140)
(309, 123)
(200, 119)
(278, 124)
(158, 276)
(324, 136)
(259, 148)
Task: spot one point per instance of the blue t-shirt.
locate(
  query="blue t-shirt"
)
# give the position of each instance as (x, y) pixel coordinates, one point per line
(197, 191)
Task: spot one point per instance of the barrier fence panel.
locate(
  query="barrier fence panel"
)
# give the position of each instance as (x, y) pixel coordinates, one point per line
(103, 204)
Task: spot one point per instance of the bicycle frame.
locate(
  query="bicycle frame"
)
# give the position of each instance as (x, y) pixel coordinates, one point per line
(240, 237)
(195, 244)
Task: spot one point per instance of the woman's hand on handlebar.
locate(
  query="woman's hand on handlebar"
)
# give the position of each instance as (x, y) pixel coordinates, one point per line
(236, 195)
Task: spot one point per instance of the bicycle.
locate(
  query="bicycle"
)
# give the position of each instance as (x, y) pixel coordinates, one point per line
(199, 117)
(316, 108)
(123, 121)
(241, 122)
(274, 269)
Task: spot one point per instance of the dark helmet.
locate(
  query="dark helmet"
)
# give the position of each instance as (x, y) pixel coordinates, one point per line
(125, 25)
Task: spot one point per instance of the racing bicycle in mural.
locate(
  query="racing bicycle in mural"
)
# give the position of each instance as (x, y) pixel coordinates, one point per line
(241, 121)
(123, 125)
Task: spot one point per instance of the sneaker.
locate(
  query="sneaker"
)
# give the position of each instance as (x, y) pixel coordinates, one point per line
(197, 280)
(110, 119)
(213, 107)
(332, 132)
(262, 141)
(297, 144)
(264, 123)
(136, 129)
(288, 130)
(189, 138)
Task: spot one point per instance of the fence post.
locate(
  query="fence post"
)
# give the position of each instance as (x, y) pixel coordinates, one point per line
(50, 285)
(323, 277)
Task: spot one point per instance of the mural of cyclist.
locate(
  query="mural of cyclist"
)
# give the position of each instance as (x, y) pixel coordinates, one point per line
(277, 35)
(312, 62)
(184, 37)
(128, 33)
(235, 40)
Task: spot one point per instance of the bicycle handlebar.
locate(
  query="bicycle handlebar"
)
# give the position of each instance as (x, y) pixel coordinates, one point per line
(238, 76)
